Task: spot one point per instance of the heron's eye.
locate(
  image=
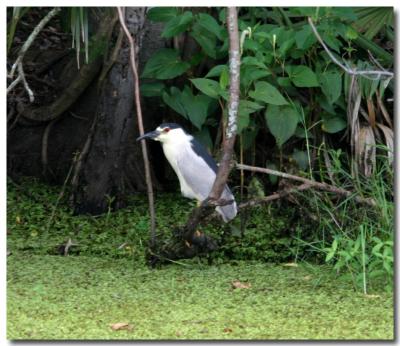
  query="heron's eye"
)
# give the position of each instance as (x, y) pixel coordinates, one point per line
(166, 129)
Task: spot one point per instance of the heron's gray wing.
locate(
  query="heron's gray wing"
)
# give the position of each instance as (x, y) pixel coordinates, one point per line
(198, 169)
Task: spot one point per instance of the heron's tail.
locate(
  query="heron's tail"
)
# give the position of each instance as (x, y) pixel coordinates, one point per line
(228, 212)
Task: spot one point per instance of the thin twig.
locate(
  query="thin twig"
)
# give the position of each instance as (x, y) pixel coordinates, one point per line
(318, 185)
(60, 195)
(349, 70)
(18, 62)
(149, 184)
(274, 196)
(82, 155)
(45, 144)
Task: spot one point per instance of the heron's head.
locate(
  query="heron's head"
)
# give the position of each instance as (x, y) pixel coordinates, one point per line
(167, 132)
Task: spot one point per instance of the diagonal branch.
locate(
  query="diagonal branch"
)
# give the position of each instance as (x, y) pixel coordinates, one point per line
(378, 74)
(149, 184)
(224, 168)
(233, 104)
(321, 186)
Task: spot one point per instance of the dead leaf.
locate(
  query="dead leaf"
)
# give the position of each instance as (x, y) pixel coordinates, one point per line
(228, 330)
(307, 277)
(121, 326)
(178, 334)
(292, 264)
(372, 296)
(238, 284)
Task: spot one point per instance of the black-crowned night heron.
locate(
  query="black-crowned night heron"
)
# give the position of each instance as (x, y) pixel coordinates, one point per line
(194, 166)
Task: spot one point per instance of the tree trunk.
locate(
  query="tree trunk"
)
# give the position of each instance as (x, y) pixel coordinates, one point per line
(99, 129)
(102, 177)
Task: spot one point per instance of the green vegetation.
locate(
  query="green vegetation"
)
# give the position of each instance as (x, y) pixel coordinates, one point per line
(105, 281)
(313, 265)
(72, 297)
(287, 78)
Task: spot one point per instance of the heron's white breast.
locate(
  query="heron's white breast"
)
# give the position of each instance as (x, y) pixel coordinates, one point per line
(172, 151)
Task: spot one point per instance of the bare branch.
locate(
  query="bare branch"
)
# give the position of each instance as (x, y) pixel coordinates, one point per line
(377, 74)
(233, 104)
(18, 63)
(315, 184)
(149, 184)
(274, 196)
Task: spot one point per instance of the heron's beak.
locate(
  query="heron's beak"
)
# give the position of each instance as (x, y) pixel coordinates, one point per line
(151, 135)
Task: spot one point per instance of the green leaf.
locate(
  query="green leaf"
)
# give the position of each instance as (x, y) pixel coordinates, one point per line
(332, 250)
(272, 178)
(249, 74)
(302, 76)
(285, 46)
(217, 70)
(301, 133)
(301, 158)
(331, 41)
(224, 79)
(284, 81)
(152, 89)
(305, 38)
(177, 25)
(210, 24)
(333, 124)
(174, 100)
(267, 93)
(351, 34)
(282, 122)
(165, 64)
(205, 39)
(245, 109)
(331, 85)
(204, 137)
(162, 14)
(207, 86)
(252, 61)
(197, 109)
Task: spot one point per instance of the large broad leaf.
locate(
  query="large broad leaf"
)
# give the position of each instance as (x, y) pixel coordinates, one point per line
(152, 89)
(216, 71)
(210, 24)
(198, 110)
(193, 108)
(282, 122)
(249, 135)
(250, 73)
(204, 137)
(177, 25)
(162, 14)
(245, 109)
(165, 64)
(333, 124)
(267, 93)
(331, 41)
(331, 85)
(301, 158)
(207, 86)
(302, 76)
(205, 39)
(253, 61)
(305, 38)
(174, 100)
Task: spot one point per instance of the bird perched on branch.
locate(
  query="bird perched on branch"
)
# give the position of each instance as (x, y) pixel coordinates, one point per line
(194, 166)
